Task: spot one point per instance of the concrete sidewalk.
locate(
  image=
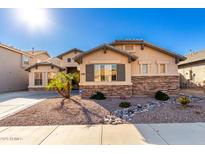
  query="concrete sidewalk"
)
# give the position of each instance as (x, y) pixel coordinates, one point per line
(162, 134)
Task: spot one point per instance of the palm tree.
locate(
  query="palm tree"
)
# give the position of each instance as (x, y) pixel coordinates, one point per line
(62, 83)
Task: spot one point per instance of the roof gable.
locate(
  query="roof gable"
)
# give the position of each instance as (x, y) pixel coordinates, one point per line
(105, 47)
(44, 64)
(37, 52)
(69, 51)
(144, 43)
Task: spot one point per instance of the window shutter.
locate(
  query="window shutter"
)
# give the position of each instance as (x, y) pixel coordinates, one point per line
(89, 72)
(120, 72)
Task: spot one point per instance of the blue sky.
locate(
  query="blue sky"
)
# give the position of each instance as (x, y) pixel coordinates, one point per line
(178, 30)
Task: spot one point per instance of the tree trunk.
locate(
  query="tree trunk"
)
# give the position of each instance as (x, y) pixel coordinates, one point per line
(68, 91)
(62, 94)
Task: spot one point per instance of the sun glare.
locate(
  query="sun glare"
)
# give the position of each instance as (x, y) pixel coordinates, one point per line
(34, 18)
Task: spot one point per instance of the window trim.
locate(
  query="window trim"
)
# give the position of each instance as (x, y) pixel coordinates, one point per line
(111, 71)
(159, 69)
(147, 67)
(23, 60)
(41, 80)
(133, 48)
(69, 60)
(148, 63)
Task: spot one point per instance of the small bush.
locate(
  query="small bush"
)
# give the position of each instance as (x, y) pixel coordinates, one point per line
(98, 96)
(159, 95)
(184, 100)
(124, 104)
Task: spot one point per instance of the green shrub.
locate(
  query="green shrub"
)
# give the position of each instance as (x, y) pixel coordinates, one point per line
(98, 96)
(124, 104)
(184, 100)
(159, 95)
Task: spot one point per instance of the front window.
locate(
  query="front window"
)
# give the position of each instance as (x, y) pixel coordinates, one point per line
(38, 78)
(145, 68)
(105, 72)
(162, 68)
(51, 75)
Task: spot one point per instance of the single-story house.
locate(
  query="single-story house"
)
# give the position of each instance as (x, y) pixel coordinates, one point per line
(120, 68)
(128, 68)
(192, 70)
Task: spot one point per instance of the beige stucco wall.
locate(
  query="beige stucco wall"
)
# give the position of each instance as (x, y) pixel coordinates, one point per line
(39, 58)
(44, 70)
(153, 58)
(197, 69)
(12, 74)
(110, 57)
(148, 56)
(70, 55)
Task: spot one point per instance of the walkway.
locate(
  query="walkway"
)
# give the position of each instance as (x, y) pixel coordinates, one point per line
(183, 133)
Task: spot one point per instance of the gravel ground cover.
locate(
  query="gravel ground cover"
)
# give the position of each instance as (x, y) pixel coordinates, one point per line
(86, 111)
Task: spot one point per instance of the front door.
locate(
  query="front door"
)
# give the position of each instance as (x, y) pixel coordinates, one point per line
(75, 85)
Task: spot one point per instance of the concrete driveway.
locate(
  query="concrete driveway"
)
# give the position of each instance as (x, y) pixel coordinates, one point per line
(153, 134)
(13, 102)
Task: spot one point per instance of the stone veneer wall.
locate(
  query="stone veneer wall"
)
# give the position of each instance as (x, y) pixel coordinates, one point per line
(108, 90)
(141, 85)
(148, 85)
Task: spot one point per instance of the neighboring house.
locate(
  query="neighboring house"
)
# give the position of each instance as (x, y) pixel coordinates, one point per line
(38, 56)
(128, 68)
(13, 76)
(41, 73)
(68, 62)
(192, 70)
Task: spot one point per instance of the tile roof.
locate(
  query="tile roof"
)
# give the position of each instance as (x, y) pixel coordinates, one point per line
(194, 57)
(69, 51)
(37, 52)
(142, 42)
(127, 41)
(106, 46)
(45, 63)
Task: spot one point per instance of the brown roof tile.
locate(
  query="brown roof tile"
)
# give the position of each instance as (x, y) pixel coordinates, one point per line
(107, 46)
(37, 52)
(194, 57)
(142, 42)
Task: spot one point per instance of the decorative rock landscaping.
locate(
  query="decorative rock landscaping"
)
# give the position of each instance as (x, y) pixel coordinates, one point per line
(127, 114)
(110, 119)
(91, 111)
